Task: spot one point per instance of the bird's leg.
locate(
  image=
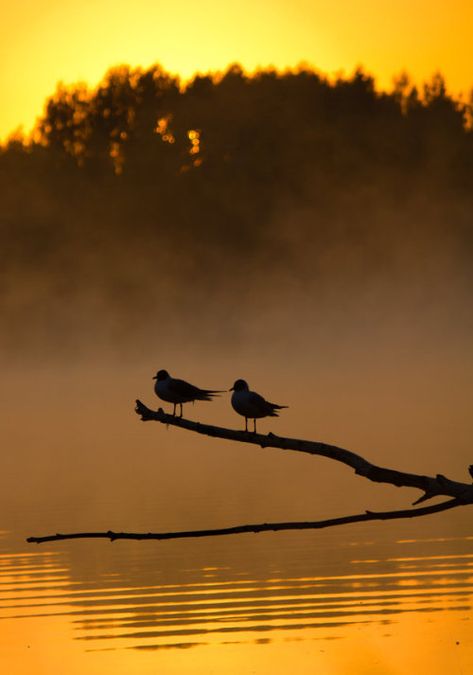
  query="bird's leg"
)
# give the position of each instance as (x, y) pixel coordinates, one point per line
(254, 422)
(246, 423)
(174, 410)
(181, 409)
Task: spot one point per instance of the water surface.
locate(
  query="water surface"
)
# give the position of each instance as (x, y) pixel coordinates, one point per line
(380, 598)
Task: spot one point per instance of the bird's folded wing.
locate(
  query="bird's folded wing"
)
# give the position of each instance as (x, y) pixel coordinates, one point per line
(182, 388)
(258, 402)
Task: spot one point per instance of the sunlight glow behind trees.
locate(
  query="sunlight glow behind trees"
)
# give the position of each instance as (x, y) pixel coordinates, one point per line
(49, 42)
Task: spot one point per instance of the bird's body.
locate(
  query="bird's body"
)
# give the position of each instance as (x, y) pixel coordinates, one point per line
(251, 405)
(178, 392)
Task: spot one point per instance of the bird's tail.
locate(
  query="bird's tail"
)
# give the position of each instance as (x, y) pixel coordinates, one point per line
(274, 408)
(209, 394)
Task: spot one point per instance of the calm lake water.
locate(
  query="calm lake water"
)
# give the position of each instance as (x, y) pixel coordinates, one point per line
(354, 602)
(368, 599)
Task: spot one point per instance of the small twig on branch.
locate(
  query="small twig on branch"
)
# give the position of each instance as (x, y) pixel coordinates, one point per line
(262, 527)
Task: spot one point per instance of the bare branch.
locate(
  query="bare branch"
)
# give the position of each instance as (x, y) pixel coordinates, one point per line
(432, 487)
(262, 527)
(460, 493)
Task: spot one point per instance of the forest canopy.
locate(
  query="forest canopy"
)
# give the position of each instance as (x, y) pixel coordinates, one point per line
(145, 178)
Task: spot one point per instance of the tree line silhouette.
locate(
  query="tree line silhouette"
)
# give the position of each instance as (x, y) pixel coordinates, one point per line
(146, 178)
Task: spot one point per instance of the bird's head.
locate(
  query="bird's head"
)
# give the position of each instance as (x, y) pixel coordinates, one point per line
(161, 375)
(240, 385)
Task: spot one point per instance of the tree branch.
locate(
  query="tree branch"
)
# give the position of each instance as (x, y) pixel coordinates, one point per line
(262, 527)
(460, 493)
(432, 487)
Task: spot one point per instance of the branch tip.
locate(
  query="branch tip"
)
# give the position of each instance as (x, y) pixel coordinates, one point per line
(424, 498)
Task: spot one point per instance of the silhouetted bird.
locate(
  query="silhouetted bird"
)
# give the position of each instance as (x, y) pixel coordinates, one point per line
(178, 391)
(251, 405)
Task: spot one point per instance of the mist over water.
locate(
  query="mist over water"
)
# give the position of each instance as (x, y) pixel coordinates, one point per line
(368, 340)
(377, 361)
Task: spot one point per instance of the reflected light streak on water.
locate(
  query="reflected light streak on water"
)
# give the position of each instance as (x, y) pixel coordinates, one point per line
(214, 607)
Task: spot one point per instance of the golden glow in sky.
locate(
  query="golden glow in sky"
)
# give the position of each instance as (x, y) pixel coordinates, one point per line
(47, 41)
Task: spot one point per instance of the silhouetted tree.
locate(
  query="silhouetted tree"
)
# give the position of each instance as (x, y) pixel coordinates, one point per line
(192, 177)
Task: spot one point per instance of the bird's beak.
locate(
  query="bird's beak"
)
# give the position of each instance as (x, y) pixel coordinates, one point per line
(155, 377)
(232, 389)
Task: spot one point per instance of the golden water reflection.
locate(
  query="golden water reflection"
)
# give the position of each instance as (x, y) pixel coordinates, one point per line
(133, 599)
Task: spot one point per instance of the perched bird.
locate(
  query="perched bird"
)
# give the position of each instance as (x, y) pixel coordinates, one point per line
(178, 391)
(251, 405)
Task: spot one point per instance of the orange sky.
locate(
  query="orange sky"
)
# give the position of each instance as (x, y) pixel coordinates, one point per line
(45, 41)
